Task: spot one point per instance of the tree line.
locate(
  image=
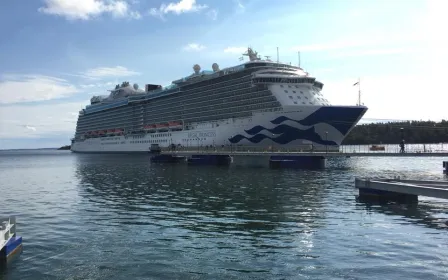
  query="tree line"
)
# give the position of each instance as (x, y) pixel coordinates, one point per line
(413, 132)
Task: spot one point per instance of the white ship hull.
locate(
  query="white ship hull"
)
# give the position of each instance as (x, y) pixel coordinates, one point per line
(295, 126)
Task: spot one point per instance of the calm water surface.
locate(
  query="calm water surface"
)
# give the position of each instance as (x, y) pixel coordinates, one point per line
(119, 217)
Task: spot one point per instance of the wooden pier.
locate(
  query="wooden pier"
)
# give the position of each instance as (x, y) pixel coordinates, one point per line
(401, 190)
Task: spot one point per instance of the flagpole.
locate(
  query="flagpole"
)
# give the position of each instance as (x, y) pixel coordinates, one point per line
(298, 54)
(359, 92)
(358, 83)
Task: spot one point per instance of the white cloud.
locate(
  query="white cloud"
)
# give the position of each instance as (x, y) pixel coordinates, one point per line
(239, 6)
(235, 50)
(183, 6)
(374, 52)
(42, 121)
(98, 85)
(212, 14)
(29, 88)
(401, 97)
(194, 47)
(117, 71)
(87, 9)
(358, 42)
(30, 127)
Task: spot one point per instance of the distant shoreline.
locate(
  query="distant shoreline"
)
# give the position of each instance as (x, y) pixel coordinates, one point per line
(66, 147)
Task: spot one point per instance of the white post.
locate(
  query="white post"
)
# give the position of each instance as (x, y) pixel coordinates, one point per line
(277, 56)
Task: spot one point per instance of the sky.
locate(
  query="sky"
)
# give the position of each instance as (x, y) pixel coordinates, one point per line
(56, 54)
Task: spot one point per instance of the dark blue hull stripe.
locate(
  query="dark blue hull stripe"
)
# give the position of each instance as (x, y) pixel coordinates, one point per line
(341, 118)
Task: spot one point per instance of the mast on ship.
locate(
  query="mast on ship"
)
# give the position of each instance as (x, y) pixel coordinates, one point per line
(358, 83)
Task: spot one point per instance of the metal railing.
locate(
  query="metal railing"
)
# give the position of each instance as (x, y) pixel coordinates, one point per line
(348, 149)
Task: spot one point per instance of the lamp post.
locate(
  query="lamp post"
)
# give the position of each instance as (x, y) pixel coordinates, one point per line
(326, 140)
(402, 140)
(231, 144)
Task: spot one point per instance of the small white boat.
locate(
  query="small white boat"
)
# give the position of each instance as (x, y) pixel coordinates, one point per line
(10, 242)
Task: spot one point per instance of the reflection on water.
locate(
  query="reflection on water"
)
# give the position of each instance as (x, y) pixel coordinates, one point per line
(119, 217)
(201, 199)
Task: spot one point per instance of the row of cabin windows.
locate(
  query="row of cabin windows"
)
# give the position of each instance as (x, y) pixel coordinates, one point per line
(216, 82)
(163, 101)
(172, 115)
(197, 97)
(293, 91)
(298, 97)
(296, 86)
(170, 101)
(103, 114)
(236, 101)
(187, 90)
(240, 111)
(150, 141)
(304, 103)
(206, 100)
(214, 109)
(222, 114)
(256, 98)
(214, 114)
(285, 80)
(314, 93)
(154, 135)
(318, 98)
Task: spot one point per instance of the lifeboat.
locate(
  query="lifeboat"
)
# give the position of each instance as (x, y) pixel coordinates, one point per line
(175, 125)
(119, 131)
(150, 127)
(162, 127)
(377, 148)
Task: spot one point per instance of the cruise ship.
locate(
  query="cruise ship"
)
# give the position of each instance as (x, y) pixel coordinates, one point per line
(259, 103)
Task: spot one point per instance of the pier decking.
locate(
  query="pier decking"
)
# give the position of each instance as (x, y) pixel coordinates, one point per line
(398, 189)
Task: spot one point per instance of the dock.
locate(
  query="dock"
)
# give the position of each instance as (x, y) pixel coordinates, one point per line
(297, 153)
(305, 151)
(276, 157)
(401, 190)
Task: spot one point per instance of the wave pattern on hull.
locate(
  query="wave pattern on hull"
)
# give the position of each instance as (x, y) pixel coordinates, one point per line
(288, 134)
(341, 118)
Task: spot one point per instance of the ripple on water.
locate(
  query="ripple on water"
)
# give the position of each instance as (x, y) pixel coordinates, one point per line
(115, 217)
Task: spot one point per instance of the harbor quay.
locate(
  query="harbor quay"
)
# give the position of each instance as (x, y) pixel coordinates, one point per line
(300, 156)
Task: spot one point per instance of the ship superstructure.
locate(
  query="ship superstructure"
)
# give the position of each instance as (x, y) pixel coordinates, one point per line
(259, 102)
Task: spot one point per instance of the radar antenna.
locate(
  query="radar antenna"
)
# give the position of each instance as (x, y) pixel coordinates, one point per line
(267, 57)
